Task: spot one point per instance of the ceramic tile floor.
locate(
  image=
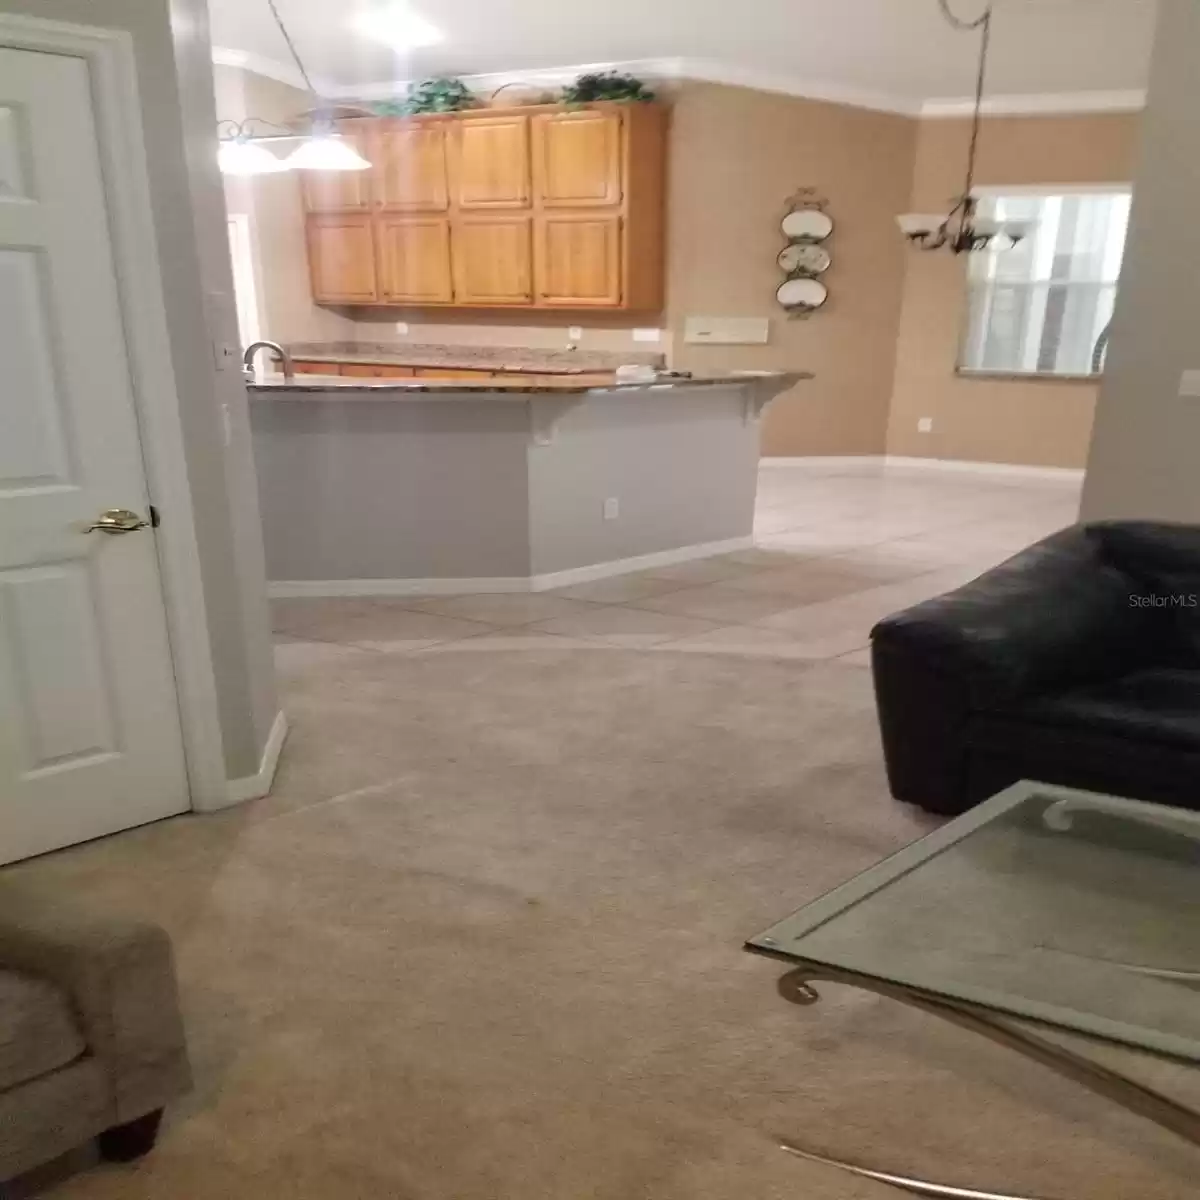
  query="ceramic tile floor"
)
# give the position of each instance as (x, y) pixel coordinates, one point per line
(839, 547)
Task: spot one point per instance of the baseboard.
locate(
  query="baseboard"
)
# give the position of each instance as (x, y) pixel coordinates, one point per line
(1015, 470)
(885, 461)
(643, 562)
(823, 461)
(332, 588)
(301, 588)
(254, 787)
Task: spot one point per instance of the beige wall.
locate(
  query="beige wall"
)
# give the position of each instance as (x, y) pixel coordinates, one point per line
(1045, 423)
(1144, 457)
(275, 211)
(736, 156)
(172, 48)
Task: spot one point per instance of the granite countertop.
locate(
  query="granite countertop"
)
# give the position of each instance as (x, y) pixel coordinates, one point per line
(341, 387)
(478, 358)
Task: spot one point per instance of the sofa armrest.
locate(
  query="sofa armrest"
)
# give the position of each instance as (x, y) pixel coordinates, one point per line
(1058, 615)
(120, 977)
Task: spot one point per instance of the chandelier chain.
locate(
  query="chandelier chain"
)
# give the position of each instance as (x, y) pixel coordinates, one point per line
(961, 23)
(287, 37)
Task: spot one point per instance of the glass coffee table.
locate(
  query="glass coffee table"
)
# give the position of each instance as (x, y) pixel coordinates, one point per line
(1043, 907)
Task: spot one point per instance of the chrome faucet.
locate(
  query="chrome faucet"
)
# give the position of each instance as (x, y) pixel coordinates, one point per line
(254, 348)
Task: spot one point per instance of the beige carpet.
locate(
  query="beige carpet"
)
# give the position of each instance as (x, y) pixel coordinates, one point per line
(505, 964)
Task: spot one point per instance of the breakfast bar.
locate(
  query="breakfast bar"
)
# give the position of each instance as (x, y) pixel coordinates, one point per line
(395, 487)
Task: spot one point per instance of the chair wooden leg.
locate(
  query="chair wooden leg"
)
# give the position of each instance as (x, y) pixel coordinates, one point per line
(131, 1141)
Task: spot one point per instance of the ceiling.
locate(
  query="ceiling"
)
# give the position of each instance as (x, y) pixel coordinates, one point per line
(897, 54)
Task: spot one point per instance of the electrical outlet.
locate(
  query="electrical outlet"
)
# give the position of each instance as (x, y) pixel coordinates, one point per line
(402, 327)
(612, 508)
(575, 333)
(925, 425)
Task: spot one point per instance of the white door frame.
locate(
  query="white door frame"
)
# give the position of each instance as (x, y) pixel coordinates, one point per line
(113, 69)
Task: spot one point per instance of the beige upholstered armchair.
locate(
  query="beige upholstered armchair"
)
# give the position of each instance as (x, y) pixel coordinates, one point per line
(91, 1039)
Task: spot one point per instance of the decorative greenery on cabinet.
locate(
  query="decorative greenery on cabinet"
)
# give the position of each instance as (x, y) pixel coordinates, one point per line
(438, 95)
(607, 85)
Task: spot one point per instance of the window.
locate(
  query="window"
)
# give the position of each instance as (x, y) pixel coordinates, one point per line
(241, 254)
(1042, 307)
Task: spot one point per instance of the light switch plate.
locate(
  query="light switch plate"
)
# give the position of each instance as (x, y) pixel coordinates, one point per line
(647, 335)
(401, 327)
(728, 331)
(575, 333)
(925, 425)
(1189, 384)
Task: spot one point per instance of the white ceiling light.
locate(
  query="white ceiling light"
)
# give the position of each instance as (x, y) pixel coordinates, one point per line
(396, 25)
(326, 152)
(239, 157)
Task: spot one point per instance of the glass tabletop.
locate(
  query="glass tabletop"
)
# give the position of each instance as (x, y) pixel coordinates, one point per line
(1078, 910)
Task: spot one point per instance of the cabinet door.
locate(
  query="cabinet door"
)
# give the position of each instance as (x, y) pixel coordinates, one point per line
(340, 191)
(414, 259)
(410, 169)
(317, 368)
(490, 166)
(492, 260)
(577, 158)
(578, 260)
(341, 259)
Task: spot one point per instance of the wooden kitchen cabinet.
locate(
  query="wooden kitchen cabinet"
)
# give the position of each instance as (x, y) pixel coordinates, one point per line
(492, 260)
(577, 260)
(341, 259)
(541, 207)
(577, 158)
(490, 162)
(409, 162)
(316, 368)
(414, 260)
(341, 191)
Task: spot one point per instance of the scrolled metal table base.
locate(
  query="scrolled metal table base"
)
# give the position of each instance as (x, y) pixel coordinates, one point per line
(797, 988)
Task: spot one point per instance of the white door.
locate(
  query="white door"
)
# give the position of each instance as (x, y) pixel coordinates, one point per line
(89, 724)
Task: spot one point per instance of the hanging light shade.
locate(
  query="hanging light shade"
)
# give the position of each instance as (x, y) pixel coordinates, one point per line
(239, 157)
(326, 152)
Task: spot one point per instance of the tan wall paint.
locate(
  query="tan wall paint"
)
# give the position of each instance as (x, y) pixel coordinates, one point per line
(1043, 423)
(1143, 461)
(276, 216)
(736, 155)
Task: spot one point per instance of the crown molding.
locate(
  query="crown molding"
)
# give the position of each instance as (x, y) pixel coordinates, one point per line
(260, 64)
(1049, 104)
(705, 70)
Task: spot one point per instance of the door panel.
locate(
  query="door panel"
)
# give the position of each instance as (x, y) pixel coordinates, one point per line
(89, 729)
(410, 169)
(491, 162)
(492, 260)
(578, 260)
(577, 158)
(414, 260)
(341, 259)
(340, 191)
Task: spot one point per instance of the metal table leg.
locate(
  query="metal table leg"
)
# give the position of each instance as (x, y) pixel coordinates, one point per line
(797, 988)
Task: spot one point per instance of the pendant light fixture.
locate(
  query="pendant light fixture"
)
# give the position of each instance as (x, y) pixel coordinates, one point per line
(322, 149)
(962, 230)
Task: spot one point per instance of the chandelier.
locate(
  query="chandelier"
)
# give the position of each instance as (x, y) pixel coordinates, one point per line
(243, 151)
(962, 230)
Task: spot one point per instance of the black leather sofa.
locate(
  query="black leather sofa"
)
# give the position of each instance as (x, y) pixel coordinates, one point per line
(1076, 663)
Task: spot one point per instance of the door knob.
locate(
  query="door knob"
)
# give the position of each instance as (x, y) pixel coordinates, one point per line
(118, 520)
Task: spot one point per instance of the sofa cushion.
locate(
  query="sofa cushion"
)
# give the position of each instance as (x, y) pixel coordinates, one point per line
(38, 1033)
(1159, 706)
(1164, 560)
